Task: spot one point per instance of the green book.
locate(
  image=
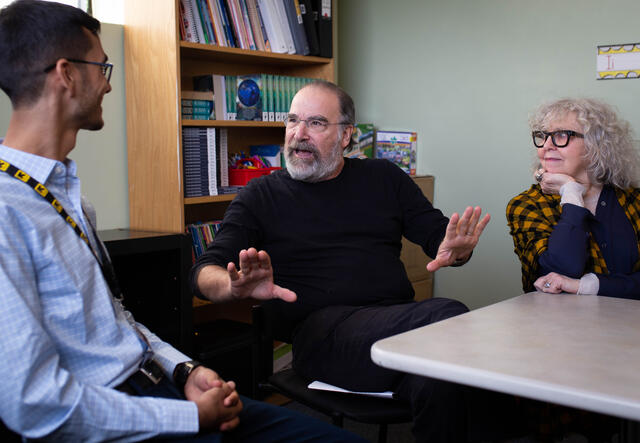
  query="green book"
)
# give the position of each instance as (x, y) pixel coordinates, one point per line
(248, 98)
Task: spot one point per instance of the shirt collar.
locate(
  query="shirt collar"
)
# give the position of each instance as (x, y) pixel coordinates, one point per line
(40, 168)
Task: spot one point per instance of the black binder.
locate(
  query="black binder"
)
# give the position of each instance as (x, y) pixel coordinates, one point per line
(322, 10)
(297, 27)
(310, 27)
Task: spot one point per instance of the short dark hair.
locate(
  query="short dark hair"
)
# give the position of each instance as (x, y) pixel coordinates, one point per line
(33, 35)
(347, 107)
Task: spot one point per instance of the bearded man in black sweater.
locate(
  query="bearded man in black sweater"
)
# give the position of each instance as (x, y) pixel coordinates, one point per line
(321, 241)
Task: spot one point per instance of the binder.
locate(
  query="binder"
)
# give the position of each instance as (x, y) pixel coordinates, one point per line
(283, 23)
(294, 18)
(325, 26)
(310, 28)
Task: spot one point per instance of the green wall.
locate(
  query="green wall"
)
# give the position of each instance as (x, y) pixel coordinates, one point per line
(465, 75)
(102, 155)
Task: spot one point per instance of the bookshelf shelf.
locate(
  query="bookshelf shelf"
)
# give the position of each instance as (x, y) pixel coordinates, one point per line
(233, 124)
(209, 199)
(159, 65)
(237, 55)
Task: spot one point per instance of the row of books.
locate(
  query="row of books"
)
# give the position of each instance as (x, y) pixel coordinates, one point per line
(205, 152)
(202, 235)
(259, 97)
(301, 27)
(197, 105)
(399, 147)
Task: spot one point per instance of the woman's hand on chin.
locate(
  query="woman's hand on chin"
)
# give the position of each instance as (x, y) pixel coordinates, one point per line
(551, 182)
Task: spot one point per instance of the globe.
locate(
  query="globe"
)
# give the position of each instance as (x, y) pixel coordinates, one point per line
(249, 93)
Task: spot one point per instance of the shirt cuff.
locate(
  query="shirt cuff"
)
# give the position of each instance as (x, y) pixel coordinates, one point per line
(572, 192)
(589, 285)
(460, 262)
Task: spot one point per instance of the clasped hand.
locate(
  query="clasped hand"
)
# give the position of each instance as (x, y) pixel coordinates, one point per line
(461, 237)
(218, 401)
(255, 277)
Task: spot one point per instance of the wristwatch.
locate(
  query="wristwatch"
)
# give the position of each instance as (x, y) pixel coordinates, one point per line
(182, 371)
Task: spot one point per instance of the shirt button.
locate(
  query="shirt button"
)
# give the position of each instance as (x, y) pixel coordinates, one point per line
(603, 246)
(603, 203)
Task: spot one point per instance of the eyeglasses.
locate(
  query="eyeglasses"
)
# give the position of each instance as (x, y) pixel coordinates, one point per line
(559, 138)
(105, 68)
(315, 125)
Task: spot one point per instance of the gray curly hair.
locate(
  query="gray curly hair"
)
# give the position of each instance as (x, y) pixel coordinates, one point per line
(608, 142)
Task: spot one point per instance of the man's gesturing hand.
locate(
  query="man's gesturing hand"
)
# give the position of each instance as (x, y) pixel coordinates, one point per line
(255, 278)
(461, 237)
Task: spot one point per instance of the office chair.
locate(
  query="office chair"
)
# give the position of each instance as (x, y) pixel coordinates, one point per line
(337, 405)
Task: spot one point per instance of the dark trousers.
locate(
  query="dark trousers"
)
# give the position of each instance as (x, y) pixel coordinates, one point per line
(261, 423)
(333, 345)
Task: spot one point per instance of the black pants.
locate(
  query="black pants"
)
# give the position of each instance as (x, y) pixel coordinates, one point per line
(333, 345)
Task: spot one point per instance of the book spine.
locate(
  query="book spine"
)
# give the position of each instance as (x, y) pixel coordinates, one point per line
(235, 24)
(212, 161)
(206, 13)
(267, 44)
(252, 11)
(203, 22)
(271, 97)
(267, 12)
(263, 98)
(223, 157)
(247, 24)
(214, 12)
(226, 19)
(196, 21)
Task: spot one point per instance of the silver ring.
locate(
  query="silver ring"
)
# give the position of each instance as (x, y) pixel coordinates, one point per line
(547, 284)
(539, 176)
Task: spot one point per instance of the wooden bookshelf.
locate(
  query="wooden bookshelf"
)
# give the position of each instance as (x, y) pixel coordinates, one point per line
(158, 66)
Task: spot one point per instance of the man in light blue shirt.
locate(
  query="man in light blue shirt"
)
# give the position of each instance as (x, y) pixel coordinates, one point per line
(75, 365)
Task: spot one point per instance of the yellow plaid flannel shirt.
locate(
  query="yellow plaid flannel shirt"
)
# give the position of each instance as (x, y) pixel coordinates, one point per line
(532, 215)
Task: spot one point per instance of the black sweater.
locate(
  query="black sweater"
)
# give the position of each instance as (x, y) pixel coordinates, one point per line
(332, 242)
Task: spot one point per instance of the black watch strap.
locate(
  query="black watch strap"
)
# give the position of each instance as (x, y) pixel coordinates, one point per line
(182, 371)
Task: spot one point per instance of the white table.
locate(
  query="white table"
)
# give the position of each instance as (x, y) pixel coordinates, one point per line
(578, 351)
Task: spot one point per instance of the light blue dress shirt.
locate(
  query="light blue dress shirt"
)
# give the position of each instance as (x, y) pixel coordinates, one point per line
(64, 342)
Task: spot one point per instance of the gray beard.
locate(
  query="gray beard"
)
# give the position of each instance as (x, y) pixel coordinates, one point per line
(314, 170)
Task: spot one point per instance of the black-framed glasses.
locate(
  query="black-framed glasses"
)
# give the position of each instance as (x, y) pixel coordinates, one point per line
(316, 125)
(559, 138)
(105, 68)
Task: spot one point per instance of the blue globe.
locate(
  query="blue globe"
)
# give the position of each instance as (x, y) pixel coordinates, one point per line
(249, 93)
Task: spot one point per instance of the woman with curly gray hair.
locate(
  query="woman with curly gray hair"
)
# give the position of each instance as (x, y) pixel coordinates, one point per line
(578, 229)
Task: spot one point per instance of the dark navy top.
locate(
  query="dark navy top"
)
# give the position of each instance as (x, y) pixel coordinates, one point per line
(568, 246)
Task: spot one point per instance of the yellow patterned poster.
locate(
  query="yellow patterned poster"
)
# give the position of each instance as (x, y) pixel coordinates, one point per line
(618, 61)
